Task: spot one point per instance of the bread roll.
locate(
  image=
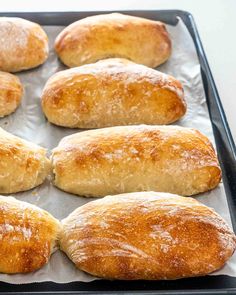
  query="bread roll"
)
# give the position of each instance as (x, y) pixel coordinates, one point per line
(136, 158)
(148, 236)
(24, 44)
(102, 36)
(112, 92)
(11, 92)
(23, 164)
(27, 236)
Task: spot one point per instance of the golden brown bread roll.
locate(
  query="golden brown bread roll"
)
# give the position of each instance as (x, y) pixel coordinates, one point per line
(11, 92)
(24, 44)
(112, 92)
(28, 236)
(23, 164)
(147, 235)
(102, 36)
(136, 158)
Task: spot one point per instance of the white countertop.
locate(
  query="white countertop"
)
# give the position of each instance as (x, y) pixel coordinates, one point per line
(215, 19)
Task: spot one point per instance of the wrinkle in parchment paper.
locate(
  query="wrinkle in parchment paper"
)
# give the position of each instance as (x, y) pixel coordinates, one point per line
(29, 123)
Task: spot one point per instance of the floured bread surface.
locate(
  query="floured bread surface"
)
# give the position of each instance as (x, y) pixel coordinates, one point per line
(136, 158)
(11, 91)
(24, 44)
(112, 92)
(28, 236)
(102, 36)
(23, 164)
(146, 235)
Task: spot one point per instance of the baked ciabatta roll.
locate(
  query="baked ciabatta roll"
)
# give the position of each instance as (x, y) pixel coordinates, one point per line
(28, 236)
(102, 36)
(23, 164)
(112, 92)
(24, 44)
(146, 236)
(11, 92)
(136, 158)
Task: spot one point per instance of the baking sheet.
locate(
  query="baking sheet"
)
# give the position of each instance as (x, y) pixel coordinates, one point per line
(29, 123)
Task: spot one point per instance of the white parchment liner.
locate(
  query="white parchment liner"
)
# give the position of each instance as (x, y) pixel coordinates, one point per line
(29, 123)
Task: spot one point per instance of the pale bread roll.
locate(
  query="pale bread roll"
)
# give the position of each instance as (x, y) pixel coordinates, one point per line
(146, 236)
(102, 36)
(136, 158)
(24, 44)
(23, 164)
(28, 236)
(112, 92)
(11, 91)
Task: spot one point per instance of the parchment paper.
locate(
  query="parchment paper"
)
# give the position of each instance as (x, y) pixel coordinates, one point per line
(29, 123)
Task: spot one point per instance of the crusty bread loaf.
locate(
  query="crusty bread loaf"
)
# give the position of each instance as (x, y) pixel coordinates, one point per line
(11, 92)
(112, 92)
(24, 44)
(114, 35)
(23, 164)
(28, 236)
(146, 235)
(136, 158)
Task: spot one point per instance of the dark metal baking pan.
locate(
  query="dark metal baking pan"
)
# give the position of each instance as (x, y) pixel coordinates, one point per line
(227, 156)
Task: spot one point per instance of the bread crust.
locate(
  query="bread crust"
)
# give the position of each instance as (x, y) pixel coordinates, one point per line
(112, 92)
(23, 165)
(136, 158)
(146, 235)
(24, 44)
(11, 92)
(103, 36)
(28, 236)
